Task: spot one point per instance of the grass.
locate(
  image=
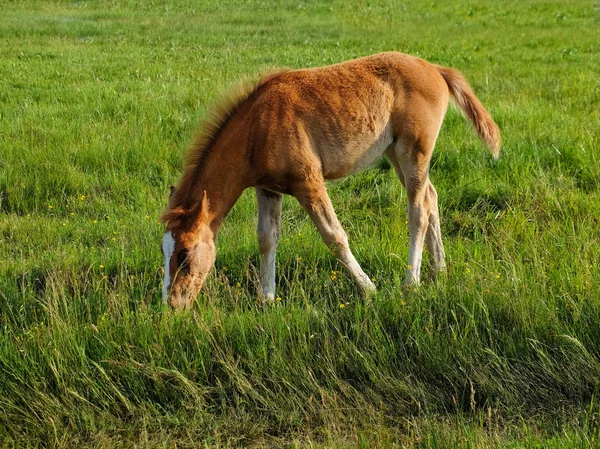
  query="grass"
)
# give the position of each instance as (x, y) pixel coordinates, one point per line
(98, 101)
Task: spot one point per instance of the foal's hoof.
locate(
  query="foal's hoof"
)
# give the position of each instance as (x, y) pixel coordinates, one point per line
(411, 286)
(368, 289)
(412, 279)
(266, 300)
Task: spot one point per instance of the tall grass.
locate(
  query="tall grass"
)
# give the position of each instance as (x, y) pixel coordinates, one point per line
(97, 103)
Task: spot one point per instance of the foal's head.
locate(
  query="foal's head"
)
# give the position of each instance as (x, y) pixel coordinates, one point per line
(188, 247)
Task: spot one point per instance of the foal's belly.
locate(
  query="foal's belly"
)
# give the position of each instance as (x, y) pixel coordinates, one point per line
(356, 154)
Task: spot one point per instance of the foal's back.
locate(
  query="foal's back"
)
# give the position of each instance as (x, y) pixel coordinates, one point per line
(333, 121)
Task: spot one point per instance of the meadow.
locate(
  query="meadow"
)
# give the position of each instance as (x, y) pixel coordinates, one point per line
(98, 102)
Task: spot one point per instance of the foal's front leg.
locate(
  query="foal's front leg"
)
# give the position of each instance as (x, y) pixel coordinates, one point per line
(316, 202)
(269, 215)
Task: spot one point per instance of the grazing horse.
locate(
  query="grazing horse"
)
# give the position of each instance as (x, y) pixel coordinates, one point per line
(291, 131)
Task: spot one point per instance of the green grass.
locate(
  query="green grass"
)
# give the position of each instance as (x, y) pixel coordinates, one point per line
(98, 101)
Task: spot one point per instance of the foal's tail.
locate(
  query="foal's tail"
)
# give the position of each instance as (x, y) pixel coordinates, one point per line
(472, 108)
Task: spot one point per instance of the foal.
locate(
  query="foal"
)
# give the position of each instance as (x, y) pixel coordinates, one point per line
(290, 132)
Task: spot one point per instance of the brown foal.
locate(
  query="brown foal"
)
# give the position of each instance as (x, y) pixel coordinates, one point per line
(290, 132)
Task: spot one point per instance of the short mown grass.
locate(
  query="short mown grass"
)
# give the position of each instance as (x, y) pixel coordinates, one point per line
(98, 101)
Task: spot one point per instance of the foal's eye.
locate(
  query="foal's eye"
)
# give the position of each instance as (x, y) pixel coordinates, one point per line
(182, 260)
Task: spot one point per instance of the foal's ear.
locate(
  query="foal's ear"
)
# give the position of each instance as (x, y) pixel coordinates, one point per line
(173, 190)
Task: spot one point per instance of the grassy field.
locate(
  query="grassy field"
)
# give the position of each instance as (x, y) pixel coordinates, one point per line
(98, 101)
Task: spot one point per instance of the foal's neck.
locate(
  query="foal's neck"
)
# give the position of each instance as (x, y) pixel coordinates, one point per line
(223, 178)
(221, 171)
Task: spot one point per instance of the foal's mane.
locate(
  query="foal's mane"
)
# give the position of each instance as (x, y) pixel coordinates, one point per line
(184, 199)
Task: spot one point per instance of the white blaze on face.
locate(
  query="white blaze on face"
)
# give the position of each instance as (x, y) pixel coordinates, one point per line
(168, 246)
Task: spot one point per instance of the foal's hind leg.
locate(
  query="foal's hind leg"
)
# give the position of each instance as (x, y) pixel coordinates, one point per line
(316, 202)
(412, 167)
(269, 215)
(433, 235)
(433, 238)
(418, 219)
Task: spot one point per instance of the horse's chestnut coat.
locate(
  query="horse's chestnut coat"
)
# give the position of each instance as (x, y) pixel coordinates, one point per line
(290, 132)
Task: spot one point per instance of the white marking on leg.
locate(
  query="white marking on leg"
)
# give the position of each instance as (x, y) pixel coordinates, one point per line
(347, 258)
(416, 224)
(168, 246)
(268, 250)
(267, 274)
(269, 213)
(434, 242)
(433, 238)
